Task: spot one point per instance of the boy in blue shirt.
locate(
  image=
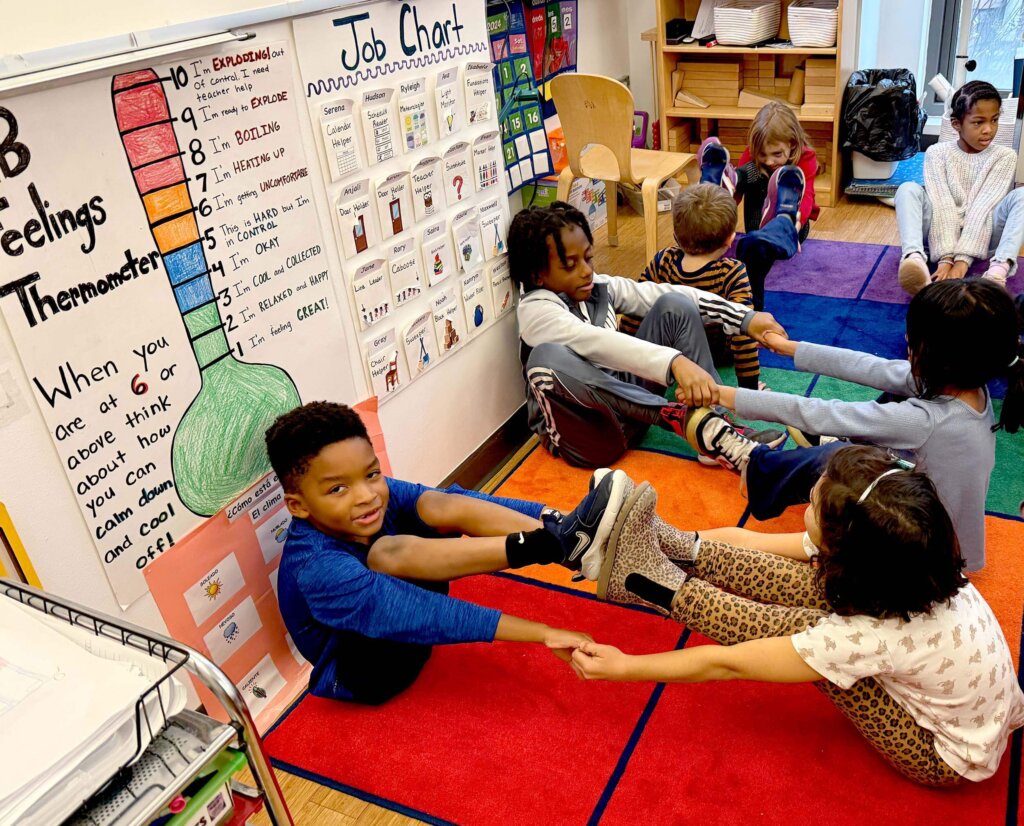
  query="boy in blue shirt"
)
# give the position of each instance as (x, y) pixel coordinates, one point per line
(363, 580)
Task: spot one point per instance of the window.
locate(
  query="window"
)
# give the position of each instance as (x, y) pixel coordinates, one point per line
(994, 40)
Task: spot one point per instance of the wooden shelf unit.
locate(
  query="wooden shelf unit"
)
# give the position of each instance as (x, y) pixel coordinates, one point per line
(705, 121)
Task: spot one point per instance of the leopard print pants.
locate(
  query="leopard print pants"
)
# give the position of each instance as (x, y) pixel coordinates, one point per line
(736, 594)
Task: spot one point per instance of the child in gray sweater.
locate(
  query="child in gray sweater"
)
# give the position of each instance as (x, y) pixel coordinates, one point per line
(960, 336)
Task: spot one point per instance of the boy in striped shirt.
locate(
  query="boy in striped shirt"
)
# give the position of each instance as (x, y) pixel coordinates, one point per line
(704, 219)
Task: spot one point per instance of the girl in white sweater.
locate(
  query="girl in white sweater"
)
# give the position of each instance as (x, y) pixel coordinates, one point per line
(966, 209)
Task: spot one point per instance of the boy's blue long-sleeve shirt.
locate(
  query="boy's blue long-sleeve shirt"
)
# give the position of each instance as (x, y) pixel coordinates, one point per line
(351, 622)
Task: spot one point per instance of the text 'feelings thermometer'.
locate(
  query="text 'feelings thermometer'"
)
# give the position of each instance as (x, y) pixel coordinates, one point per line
(218, 447)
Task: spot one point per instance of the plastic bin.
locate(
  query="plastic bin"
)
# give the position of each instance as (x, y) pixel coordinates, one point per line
(866, 169)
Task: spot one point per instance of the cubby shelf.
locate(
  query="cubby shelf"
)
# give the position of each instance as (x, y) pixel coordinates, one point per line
(733, 113)
(827, 183)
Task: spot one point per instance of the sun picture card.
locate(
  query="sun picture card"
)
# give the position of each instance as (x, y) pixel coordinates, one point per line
(427, 198)
(438, 256)
(493, 229)
(503, 291)
(372, 294)
(448, 102)
(404, 271)
(387, 372)
(449, 324)
(412, 114)
(420, 344)
(486, 161)
(339, 129)
(394, 204)
(480, 100)
(476, 300)
(456, 171)
(357, 218)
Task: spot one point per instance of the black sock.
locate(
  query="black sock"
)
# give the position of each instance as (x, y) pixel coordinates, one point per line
(539, 547)
(650, 591)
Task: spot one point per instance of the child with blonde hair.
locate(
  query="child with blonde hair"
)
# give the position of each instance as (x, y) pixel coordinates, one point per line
(775, 180)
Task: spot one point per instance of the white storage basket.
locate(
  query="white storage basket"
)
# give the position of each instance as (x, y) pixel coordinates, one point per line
(813, 23)
(744, 22)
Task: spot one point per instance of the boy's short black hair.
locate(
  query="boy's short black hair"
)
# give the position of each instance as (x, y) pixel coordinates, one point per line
(703, 218)
(969, 94)
(528, 239)
(295, 439)
(892, 555)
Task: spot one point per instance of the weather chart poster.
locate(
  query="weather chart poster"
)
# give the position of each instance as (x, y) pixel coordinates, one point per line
(218, 594)
(164, 278)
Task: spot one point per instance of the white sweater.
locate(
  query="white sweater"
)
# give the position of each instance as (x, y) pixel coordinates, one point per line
(546, 317)
(964, 190)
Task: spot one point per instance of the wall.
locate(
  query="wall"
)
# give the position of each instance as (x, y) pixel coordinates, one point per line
(432, 426)
(882, 45)
(600, 49)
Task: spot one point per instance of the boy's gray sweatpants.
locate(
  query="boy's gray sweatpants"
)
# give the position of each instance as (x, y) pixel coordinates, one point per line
(590, 416)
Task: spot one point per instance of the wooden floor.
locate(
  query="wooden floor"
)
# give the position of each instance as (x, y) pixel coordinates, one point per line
(865, 221)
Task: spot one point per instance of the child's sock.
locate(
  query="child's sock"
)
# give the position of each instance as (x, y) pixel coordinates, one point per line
(997, 271)
(539, 547)
(650, 591)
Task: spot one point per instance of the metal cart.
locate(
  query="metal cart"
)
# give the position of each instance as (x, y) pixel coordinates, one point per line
(152, 719)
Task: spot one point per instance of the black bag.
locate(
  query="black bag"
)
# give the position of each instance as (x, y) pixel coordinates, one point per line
(881, 115)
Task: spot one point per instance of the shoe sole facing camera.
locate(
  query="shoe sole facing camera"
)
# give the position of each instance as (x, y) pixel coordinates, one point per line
(589, 554)
(608, 558)
(727, 177)
(780, 185)
(913, 275)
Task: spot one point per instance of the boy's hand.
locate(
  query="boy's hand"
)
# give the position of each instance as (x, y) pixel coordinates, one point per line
(780, 345)
(695, 386)
(762, 324)
(591, 661)
(562, 642)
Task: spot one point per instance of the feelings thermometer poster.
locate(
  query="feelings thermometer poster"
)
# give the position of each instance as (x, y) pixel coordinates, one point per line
(165, 282)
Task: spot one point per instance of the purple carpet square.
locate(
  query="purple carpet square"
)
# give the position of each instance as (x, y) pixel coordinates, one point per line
(832, 269)
(884, 285)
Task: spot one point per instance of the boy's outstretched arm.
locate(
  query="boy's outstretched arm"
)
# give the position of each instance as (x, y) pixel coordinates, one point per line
(455, 513)
(772, 660)
(559, 640)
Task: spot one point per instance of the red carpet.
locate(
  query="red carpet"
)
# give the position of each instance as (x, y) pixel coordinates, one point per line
(496, 734)
(489, 734)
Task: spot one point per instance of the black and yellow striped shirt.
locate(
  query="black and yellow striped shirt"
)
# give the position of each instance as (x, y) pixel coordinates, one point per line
(726, 277)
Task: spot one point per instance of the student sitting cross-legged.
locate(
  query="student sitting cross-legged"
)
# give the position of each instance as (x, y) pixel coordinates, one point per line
(595, 390)
(363, 579)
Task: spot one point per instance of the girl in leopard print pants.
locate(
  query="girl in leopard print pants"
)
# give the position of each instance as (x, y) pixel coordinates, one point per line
(882, 620)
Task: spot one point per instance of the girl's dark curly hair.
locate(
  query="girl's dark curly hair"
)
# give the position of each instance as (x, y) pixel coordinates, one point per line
(295, 439)
(965, 333)
(892, 555)
(528, 239)
(970, 93)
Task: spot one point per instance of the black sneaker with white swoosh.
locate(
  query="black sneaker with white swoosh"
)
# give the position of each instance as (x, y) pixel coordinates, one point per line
(584, 531)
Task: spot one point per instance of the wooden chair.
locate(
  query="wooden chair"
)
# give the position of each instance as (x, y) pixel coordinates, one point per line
(599, 111)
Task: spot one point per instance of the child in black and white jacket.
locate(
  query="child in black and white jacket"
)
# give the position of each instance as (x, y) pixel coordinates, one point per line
(594, 390)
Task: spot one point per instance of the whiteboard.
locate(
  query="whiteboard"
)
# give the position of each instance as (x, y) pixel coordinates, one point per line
(165, 279)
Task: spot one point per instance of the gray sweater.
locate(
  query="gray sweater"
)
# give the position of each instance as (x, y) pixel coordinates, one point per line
(949, 440)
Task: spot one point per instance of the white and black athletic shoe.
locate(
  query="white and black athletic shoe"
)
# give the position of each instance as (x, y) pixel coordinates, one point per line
(584, 531)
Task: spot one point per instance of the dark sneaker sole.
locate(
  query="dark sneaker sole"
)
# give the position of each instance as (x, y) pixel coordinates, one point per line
(585, 559)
